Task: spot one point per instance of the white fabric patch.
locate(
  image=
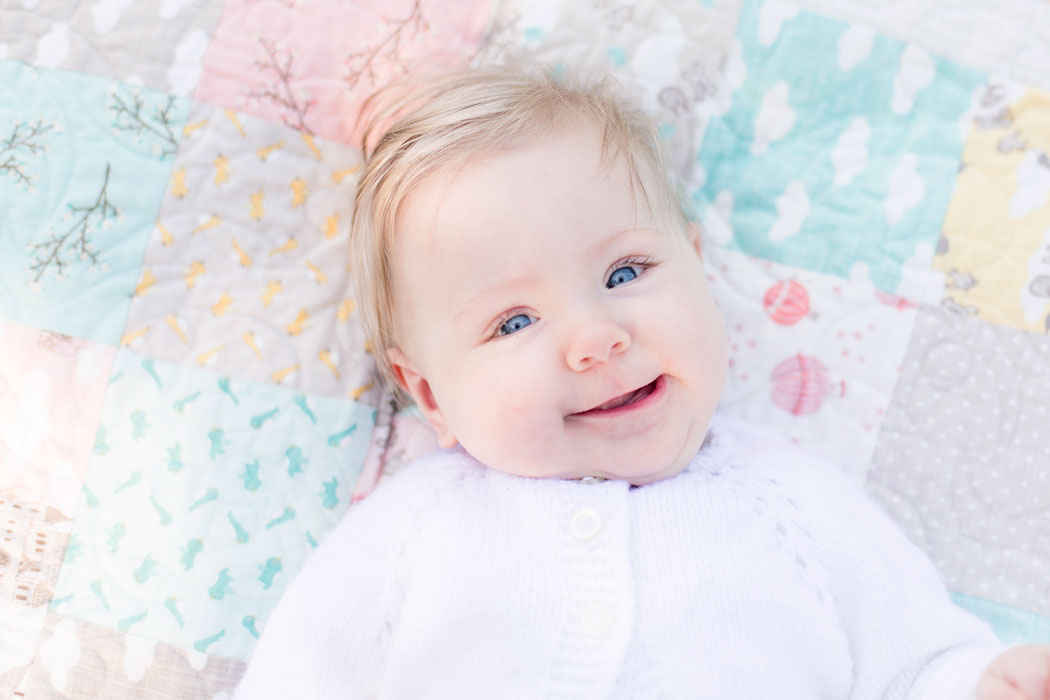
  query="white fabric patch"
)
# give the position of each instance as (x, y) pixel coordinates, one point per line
(771, 20)
(60, 652)
(196, 659)
(716, 218)
(906, 189)
(106, 14)
(1033, 185)
(186, 68)
(916, 73)
(775, 118)
(733, 77)
(855, 46)
(850, 155)
(138, 656)
(792, 208)
(53, 48)
(170, 8)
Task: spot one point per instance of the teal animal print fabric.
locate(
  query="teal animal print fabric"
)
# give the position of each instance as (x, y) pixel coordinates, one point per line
(204, 496)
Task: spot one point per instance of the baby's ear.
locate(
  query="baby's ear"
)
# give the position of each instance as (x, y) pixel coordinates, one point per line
(694, 238)
(412, 381)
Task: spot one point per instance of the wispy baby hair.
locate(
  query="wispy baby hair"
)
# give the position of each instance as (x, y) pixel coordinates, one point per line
(416, 131)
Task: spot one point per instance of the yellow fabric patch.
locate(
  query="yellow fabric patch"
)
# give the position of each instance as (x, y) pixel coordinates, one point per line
(995, 253)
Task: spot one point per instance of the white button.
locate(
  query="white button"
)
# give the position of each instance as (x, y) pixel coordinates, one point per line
(596, 617)
(585, 524)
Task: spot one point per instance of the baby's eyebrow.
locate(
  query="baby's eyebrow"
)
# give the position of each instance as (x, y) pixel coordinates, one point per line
(512, 283)
(604, 243)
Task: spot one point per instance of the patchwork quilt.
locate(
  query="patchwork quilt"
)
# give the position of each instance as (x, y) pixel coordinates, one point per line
(188, 403)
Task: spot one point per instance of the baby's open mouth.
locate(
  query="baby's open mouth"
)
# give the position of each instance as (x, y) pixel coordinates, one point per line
(624, 399)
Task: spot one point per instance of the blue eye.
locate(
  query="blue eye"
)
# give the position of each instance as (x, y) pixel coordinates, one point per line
(514, 323)
(629, 269)
(621, 275)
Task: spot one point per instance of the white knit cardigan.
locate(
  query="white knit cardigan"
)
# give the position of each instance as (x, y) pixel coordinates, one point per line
(756, 573)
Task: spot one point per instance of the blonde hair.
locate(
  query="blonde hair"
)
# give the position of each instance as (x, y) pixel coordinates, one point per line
(438, 125)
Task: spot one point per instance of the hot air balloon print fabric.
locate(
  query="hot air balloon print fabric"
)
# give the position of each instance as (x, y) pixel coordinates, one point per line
(810, 353)
(786, 302)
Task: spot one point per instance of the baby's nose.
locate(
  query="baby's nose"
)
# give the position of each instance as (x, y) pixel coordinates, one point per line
(594, 342)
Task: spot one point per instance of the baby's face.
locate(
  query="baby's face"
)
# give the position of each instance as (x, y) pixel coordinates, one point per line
(532, 292)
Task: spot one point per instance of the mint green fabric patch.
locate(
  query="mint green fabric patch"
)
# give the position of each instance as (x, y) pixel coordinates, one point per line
(86, 161)
(203, 499)
(839, 147)
(1011, 625)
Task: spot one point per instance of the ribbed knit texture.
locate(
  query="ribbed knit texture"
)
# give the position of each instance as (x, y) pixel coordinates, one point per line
(756, 573)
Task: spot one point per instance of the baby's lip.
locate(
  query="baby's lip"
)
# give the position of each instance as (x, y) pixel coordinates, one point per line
(612, 398)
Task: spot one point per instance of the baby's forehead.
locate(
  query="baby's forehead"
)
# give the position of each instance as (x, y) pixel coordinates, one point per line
(534, 183)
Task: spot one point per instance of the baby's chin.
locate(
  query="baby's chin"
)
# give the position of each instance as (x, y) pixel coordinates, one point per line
(639, 477)
(656, 461)
(657, 465)
(636, 472)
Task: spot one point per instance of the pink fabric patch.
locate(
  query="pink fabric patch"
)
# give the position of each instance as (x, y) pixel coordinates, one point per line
(51, 392)
(312, 65)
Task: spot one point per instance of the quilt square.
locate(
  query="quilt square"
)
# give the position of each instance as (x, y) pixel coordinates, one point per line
(84, 164)
(246, 271)
(994, 249)
(281, 60)
(20, 629)
(1010, 38)
(51, 392)
(668, 55)
(961, 460)
(156, 44)
(204, 497)
(811, 355)
(78, 659)
(833, 147)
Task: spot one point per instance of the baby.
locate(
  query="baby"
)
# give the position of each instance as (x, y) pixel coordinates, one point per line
(591, 529)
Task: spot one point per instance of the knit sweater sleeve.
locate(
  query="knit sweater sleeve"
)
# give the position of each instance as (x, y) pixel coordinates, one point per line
(328, 636)
(906, 638)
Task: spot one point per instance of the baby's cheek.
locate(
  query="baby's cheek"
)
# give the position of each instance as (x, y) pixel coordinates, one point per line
(504, 407)
(509, 434)
(504, 393)
(528, 408)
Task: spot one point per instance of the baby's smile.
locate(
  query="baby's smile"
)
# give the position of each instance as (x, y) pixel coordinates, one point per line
(628, 403)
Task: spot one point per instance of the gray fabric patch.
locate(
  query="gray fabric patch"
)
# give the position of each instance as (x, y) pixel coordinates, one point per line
(156, 44)
(963, 460)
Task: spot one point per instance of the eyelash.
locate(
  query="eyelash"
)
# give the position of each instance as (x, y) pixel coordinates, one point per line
(644, 262)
